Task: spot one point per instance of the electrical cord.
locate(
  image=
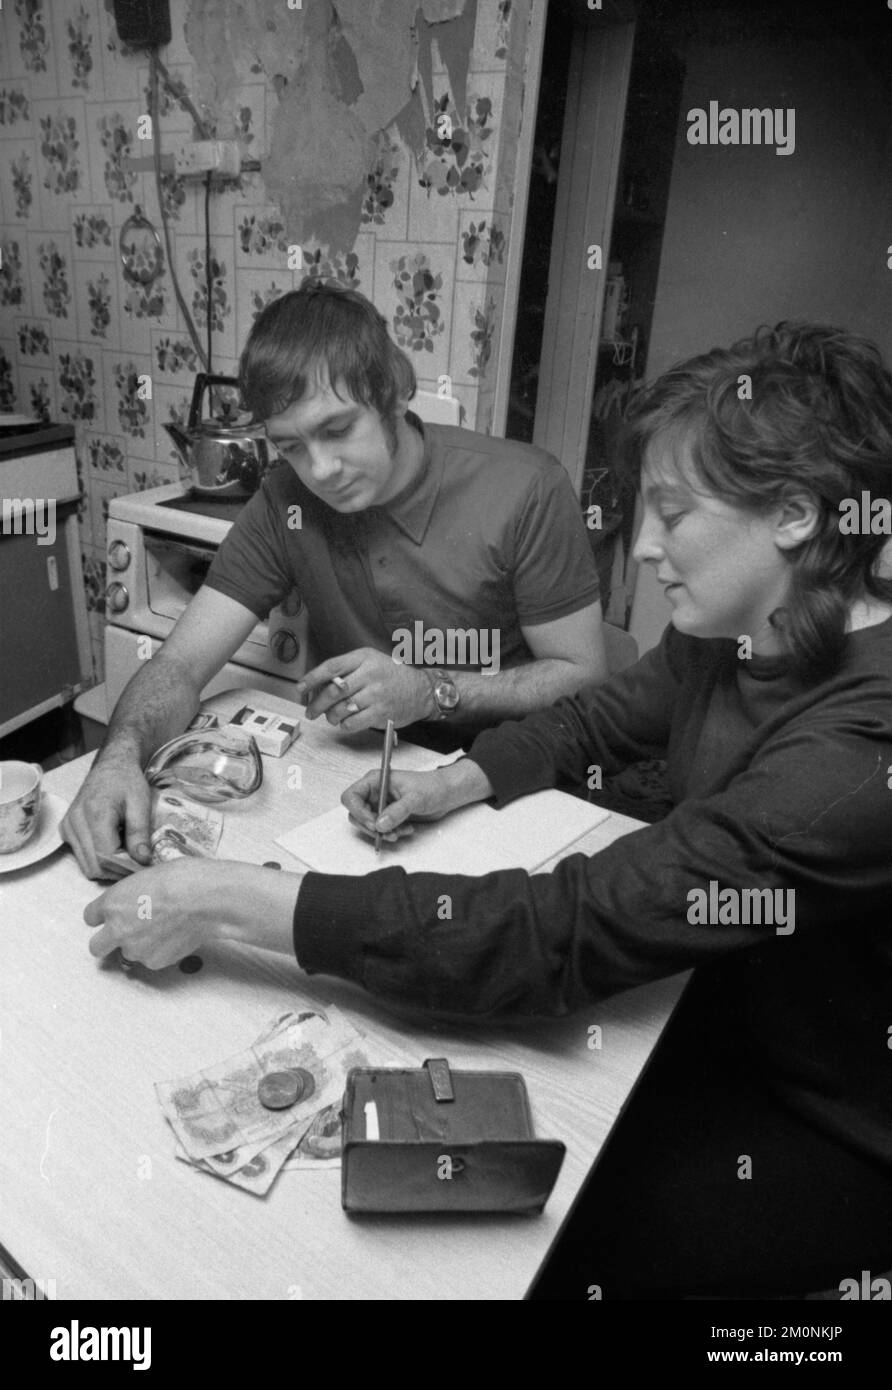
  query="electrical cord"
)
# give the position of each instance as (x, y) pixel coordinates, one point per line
(154, 65)
(208, 277)
(177, 89)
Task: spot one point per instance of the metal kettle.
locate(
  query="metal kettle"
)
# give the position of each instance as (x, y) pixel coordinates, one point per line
(221, 456)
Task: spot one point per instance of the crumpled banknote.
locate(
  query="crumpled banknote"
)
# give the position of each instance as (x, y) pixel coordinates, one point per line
(181, 828)
(219, 1120)
(221, 1126)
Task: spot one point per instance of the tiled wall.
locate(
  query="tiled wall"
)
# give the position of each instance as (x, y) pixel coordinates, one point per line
(75, 334)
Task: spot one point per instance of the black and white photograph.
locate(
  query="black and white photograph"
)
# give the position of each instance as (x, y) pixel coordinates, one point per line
(446, 668)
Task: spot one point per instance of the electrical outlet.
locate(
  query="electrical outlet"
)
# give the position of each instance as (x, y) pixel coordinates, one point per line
(145, 164)
(208, 157)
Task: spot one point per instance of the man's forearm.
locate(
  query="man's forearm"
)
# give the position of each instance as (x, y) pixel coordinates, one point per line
(518, 690)
(157, 705)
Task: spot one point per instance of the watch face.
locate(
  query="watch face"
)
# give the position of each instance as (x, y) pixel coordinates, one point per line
(447, 695)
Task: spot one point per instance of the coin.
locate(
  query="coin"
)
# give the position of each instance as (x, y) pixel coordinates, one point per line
(305, 1080)
(280, 1089)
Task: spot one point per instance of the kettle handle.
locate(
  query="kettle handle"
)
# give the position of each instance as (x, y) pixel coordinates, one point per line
(202, 381)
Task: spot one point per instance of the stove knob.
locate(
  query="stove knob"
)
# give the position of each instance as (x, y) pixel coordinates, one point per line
(118, 555)
(117, 598)
(284, 645)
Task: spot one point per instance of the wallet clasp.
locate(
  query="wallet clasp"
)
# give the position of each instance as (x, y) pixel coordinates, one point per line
(441, 1078)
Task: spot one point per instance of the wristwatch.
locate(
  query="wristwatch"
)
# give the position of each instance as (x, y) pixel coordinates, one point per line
(445, 692)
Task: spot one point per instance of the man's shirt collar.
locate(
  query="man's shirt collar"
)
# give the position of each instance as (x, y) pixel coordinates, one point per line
(412, 509)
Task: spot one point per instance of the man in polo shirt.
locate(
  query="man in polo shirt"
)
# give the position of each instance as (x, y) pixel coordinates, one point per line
(447, 575)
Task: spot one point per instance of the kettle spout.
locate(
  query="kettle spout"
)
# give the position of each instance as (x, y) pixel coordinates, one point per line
(181, 441)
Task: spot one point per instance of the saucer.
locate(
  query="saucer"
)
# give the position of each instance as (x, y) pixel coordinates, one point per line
(45, 839)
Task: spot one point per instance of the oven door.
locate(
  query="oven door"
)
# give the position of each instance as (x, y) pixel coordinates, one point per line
(175, 571)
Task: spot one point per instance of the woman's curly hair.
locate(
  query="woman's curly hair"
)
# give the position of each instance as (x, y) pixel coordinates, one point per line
(796, 408)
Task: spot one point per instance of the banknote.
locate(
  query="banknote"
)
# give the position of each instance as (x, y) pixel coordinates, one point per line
(180, 828)
(241, 1165)
(196, 828)
(256, 1174)
(217, 1112)
(222, 1101)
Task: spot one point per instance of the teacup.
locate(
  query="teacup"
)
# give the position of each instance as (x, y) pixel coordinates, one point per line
(19, 803)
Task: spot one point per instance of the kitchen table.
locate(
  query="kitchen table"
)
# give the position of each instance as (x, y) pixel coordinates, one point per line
(93, 1202)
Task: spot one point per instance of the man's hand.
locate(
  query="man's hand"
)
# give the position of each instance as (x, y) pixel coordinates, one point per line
(364, 688)
(171, 910)
(423, 796)
(113, 805)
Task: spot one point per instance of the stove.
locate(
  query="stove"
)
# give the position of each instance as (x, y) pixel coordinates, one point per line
(178, 511)
(220, 508)
(160, 546)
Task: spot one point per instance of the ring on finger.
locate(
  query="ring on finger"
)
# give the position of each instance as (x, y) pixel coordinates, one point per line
(352, 708)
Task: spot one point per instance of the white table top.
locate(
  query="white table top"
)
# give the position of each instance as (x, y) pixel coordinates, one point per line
(91, 1196)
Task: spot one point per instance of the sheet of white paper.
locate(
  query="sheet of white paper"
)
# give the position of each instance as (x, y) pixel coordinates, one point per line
(475, 840)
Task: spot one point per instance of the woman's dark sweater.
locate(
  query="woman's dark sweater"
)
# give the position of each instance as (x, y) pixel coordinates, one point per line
(777, 785)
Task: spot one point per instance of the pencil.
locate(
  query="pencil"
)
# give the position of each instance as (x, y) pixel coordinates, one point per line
(384, 784)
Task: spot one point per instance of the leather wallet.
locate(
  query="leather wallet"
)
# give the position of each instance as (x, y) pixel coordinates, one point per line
(432, 1139)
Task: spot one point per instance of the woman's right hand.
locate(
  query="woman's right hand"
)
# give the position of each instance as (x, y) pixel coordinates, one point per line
(112, 807)
(413, 796)
(421, 796)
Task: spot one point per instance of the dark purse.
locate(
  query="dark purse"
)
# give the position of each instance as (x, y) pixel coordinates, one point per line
(432, 1139)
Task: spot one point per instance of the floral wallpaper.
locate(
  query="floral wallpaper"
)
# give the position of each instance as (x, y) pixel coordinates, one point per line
(76, 334)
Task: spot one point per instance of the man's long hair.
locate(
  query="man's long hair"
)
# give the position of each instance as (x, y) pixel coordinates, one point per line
(319, 332)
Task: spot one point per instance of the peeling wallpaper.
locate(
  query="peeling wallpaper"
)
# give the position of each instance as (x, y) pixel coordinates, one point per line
(340, 103)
